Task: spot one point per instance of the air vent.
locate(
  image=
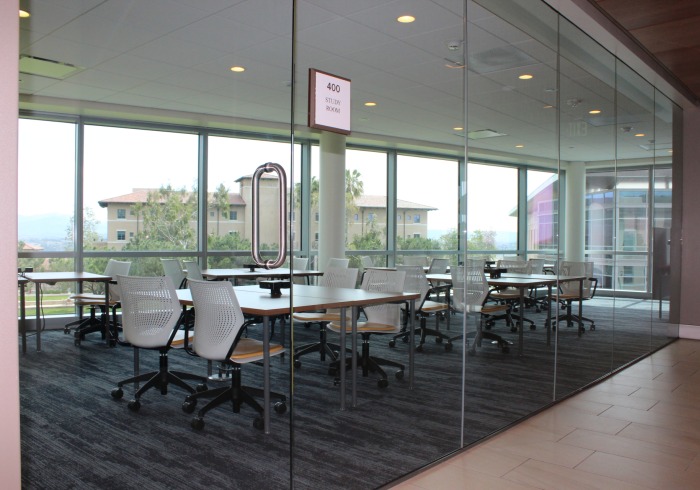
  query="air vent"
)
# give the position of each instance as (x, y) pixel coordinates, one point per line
(483, 133)
(46, 68)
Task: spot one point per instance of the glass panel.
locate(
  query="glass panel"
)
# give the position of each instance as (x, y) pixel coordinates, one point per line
(512, 92)
(542, 216)
(417, 103)
(663, 328)
(365, 208)
(633, 226)
(147, 201)
(492, 234)
(587, 129)
(426, 210)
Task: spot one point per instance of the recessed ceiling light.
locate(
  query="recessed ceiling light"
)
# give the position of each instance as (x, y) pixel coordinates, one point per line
(639, 135)
(405, 19)
(520, 146)
(548, 107)
(526, 76)
(238, 69)
(670, 151)
(458, 129)
(23, 14)
(370, 104)
(595, 111)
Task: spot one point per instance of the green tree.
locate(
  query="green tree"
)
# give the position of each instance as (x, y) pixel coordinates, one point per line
(417, 243)
(166, 218)
(482, 240)
(220, 202)
(91, 237)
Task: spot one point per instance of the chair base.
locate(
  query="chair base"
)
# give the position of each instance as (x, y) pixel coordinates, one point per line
(237, 395)
(160, 379)
(369, 364)
(423, 332)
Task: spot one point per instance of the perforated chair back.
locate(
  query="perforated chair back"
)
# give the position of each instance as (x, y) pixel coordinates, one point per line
(367, 261)
(218, 320)
(382, 281)
(536, 266)
(469, 286)
(415, 282)
(299, 263)
(515, 266)
(438, 266)
(173, 269)
(116, 268)
(337, 263)
(194, 272)
(150, 310)
(339, 277)
(569, 268)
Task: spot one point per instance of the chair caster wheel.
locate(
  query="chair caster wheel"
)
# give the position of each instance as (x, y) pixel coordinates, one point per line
(592, 327)
(533, 327)
(66, 331)
(404, 339)
(201, 387)
(399, 374)
(134, 405)
(76, 342)
(259, 423)
(382, 383)
(297, 363)
(438, 340)
(448, 347)
(197, 423)
(419, 348)
(189, 405)
(392, 343)
(280, 407)
(513, 329)
(117, 393)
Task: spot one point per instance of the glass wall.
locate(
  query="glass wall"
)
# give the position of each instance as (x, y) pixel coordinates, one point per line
(499, 132)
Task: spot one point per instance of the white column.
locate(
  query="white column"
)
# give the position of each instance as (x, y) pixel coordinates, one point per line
(575, 233)
(9, 363)
(331, 198)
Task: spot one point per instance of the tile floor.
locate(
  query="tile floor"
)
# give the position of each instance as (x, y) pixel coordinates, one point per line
(639, 429)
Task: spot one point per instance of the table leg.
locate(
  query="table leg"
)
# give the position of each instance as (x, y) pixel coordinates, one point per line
(520, 321)
(353, 341)
(37, 315)
(548, 324)
(411, 350)
(110, 333)
(341, 357)
(23, 317)
(580, 307)
(266, 373)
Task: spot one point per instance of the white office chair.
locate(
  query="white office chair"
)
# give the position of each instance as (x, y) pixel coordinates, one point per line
(417, 282)
(299, 264)
(335, 262)
(96, 301)
(173, 269)
(469, 295)
(193, 270)
(334, 277)
(218, 328)
(150, 318)
(512, 295)
(381, 319)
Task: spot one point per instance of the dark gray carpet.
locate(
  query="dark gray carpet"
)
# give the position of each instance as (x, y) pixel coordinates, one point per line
(74, 435)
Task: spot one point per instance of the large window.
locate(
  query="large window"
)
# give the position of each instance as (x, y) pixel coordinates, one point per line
(426, 208)
(492, 209)
(151, 173)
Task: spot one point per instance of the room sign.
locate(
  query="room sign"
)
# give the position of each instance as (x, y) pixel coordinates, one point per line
(329, 102)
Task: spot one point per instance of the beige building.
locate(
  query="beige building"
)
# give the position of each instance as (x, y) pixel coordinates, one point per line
(123, 224)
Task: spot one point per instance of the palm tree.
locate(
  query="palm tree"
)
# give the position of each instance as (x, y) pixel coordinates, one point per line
(221, 204)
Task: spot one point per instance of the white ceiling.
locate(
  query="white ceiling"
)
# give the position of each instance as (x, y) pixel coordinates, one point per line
(168, 60)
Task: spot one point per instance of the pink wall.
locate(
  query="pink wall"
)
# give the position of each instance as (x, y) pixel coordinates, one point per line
(690, 277)
(9, 362)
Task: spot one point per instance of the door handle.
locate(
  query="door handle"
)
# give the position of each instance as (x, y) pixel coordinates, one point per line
(282, 254)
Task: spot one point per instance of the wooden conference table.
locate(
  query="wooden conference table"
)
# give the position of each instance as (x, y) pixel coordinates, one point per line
(258, 302)
(39, 278)
(525, 282)
(246, 273)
